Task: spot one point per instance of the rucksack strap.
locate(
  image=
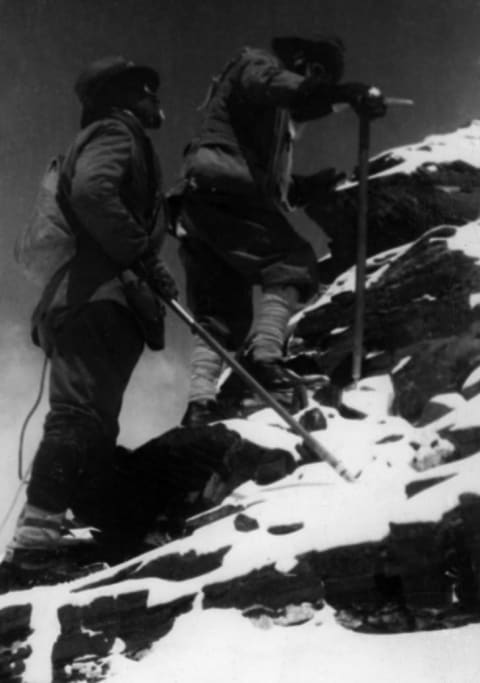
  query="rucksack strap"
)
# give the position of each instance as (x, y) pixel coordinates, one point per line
(140, 139)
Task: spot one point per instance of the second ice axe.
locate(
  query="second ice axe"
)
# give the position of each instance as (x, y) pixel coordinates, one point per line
(362, 229)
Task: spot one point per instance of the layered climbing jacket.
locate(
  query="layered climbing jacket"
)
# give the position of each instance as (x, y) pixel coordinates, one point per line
(111, 182)
(245, 140)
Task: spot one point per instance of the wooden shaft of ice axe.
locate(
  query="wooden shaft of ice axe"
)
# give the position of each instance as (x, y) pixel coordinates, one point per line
(358, 325)
(314, 446)
(363, 157)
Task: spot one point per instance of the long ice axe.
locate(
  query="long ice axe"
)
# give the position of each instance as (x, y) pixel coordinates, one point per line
(313, 445)
(362, 224)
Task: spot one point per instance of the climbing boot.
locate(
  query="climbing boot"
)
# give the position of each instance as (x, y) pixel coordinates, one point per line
(271, 374)
(201, 412)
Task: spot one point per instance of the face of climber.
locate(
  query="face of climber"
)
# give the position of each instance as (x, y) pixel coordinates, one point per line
(144, 102)
(130, 92)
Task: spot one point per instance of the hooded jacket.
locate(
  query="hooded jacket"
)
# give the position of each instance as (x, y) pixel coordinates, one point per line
(245, 135)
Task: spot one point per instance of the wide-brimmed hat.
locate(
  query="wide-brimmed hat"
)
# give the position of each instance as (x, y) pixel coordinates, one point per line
(327, 50)
(101, 72)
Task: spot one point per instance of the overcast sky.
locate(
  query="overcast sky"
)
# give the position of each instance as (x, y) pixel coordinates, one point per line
(427, 50)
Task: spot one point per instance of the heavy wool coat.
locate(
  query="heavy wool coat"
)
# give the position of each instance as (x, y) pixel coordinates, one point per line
(244, 137)
(110, 191)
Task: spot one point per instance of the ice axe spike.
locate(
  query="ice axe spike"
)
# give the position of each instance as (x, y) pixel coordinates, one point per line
(363, 157)
(313, 445)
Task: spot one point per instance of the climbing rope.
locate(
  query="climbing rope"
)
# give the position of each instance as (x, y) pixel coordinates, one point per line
(29, 416)
(23, 477)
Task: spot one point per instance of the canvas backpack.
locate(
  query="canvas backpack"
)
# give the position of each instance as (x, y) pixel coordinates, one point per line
(47, 242)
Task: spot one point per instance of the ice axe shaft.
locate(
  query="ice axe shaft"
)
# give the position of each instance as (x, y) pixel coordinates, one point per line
(363, 158)
(358, 325)
(312, 443)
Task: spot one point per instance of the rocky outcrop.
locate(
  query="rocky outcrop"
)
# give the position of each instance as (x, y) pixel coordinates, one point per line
(421, 318)
(411, 189)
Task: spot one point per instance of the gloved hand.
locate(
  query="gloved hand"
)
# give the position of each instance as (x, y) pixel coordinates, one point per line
(364, 99)
(305, 189)
(160, 279)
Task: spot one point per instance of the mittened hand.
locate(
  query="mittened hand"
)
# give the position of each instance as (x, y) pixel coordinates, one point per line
(366, 100)
(161, 280)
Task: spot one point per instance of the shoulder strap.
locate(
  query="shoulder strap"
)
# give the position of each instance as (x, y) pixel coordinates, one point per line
(67, 164)
(153, 168)
(218, 78)
(84, 136)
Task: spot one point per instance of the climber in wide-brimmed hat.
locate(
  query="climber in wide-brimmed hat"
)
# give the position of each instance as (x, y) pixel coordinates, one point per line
(117, 82)
(236, 186)
(101, 307)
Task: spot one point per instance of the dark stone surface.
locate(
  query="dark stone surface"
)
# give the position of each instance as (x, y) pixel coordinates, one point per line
(418, 308)
(14, 623)
(400, 209)
(244, 522)
(283, 529)
(14, 648)
(265, 586)
(348, 572)
(90, 631)
(313, 420)
(178, 567)
(12, 661)
(415, 487)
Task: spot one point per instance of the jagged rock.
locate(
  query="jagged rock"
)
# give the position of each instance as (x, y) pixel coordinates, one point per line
(463, 429)
(421, 319)
(439, 406)
(93, 629)
(372, 395)
(15, 629)
(266, 586)
(245, 523)
(471, 386)
(313, 419)
(411, 189)
(281, 529)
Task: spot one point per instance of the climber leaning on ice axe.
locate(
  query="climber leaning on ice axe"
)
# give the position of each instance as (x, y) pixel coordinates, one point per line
(235, 191)
(373, 107)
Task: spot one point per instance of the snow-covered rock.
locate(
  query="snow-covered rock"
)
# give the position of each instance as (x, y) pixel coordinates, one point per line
(411, 189)
(279, 554)
(421, 318)
(282, 566)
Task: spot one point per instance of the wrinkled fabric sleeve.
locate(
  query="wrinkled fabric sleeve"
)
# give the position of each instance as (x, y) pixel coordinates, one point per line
(96, 199)
(264, 81)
